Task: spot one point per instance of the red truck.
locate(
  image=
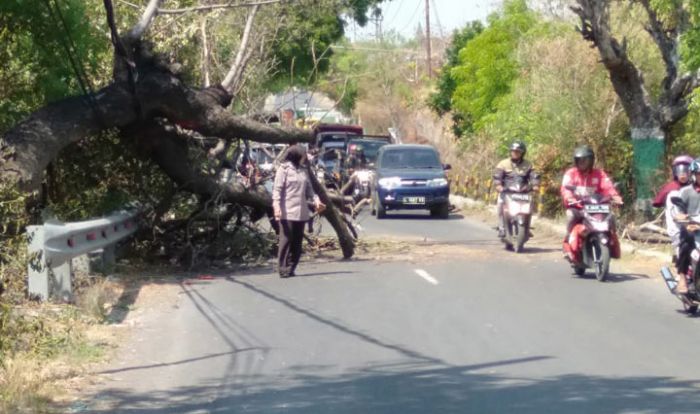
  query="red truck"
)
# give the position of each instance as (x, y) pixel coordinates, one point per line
(335, 133)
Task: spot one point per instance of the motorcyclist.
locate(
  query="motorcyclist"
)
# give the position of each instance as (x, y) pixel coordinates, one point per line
(679, 168)
(691, 198)
(508, 170)
(584, 180)
(357, 159)
(681, 178)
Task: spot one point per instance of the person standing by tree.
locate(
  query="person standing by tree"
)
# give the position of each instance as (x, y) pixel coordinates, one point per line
(291, 195)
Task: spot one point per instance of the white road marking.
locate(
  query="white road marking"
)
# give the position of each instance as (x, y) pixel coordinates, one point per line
(425, 275)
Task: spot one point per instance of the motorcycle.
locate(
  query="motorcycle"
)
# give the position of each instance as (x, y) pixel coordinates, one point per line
(362, 190)
(593, 242)
(328, 178)
(690, 300)
(517, 212)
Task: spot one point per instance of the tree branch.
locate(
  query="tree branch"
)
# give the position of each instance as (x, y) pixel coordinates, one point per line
(626, 79)
(668, 45)
(206, 81)
(27, 149)
(236, 70)
(213, 7)
(164, 145)
(146, 18)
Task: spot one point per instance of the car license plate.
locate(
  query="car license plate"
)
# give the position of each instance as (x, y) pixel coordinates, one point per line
(414, 200)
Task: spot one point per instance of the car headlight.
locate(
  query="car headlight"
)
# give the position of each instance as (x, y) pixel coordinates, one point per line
(437, 182)
(389, 182)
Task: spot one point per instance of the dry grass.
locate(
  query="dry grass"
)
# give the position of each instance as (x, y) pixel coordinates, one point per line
(54, 345)
(98, 299)
(30, 383)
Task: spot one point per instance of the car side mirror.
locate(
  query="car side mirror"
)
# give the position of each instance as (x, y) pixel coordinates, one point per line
(446, 167)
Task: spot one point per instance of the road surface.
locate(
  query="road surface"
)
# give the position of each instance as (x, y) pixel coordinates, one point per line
(457, 326)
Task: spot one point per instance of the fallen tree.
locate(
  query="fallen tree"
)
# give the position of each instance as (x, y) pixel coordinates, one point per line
(151, 106)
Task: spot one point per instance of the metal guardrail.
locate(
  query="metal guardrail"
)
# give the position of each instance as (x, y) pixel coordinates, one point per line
(53, 246)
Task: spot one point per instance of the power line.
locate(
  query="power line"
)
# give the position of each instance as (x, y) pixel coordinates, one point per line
(415, 12)
(398, 9)
(69, 46)
(427, 39)
(437, 18)
(71, 51)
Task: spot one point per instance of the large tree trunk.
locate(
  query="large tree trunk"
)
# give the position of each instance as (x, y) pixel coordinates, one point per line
(347, 243)
(169, 150)
(28, 148)
(649, 121)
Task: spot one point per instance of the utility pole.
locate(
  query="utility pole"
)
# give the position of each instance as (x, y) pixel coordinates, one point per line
(427, 39)
(377, 19)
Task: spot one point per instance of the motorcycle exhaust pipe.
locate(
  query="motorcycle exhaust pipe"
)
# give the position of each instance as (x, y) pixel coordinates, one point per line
(669, 279)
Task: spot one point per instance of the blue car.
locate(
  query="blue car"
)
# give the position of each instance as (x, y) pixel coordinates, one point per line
(410, 177)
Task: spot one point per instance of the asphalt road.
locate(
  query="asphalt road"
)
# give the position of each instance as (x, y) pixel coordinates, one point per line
(477, 330)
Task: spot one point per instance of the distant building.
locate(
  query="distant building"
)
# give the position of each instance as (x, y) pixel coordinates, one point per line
(304, 109)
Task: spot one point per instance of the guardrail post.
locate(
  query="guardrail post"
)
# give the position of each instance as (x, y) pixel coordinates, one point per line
(48, 277)
(60, 275)
(38, 283)
(103, 260)
(109, 256)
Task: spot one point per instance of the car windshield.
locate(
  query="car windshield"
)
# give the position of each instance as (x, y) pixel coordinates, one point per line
(410, 158)
(335, 137)
(370, 148)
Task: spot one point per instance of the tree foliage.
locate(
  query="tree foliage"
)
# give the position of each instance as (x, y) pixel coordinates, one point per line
(487, 65)
(33, 42)
(441, 100)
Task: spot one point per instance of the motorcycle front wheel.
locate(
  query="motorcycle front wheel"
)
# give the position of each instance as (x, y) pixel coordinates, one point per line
(520, 237)
(601, 259)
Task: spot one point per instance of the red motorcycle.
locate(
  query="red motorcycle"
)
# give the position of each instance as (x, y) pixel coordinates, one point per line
(593, 242)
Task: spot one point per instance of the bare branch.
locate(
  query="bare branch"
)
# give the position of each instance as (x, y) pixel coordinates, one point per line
(205, 54)
(666, 41)
(673, 103)
(213, 7)
(146, 18)
(237, 68)
(626, 79)
(240, 79)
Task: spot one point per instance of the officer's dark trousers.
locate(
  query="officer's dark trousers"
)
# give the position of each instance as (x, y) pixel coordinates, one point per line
(291, 237)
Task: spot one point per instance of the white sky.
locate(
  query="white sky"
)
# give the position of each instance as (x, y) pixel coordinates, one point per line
(404, 16)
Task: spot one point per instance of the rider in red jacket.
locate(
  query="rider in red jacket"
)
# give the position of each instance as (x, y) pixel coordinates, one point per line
(680, 168)
(584, 180)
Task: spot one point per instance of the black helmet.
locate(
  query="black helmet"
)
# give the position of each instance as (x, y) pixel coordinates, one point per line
(584, 151)
(518, 146)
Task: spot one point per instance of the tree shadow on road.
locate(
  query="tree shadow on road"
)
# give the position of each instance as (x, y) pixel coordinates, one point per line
(315, 274)
(414, 382)
(409, 387)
